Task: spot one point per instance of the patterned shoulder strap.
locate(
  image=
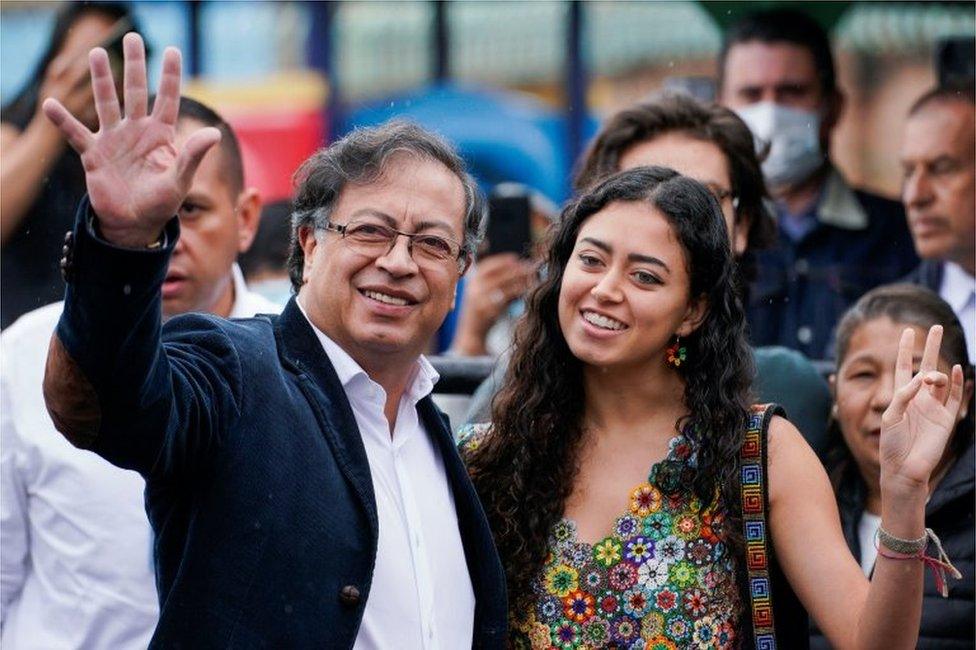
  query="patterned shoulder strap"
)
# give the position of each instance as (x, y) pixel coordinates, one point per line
(754, 520)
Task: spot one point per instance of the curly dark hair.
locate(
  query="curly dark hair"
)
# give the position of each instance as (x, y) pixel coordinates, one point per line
(524, 470)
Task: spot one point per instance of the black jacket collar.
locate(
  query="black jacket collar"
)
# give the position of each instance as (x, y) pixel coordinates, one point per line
(301, 351)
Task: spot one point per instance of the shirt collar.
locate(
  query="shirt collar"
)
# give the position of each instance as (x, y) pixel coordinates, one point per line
(838, 205)
(424, 375)
(246, 302)
(957, 286)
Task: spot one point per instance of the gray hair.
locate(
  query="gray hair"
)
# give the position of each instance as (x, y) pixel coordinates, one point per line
(361, 157)
(906, 304)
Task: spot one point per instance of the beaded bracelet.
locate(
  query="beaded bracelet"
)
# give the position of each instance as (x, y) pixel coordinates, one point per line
(899, 545)
(914, 549)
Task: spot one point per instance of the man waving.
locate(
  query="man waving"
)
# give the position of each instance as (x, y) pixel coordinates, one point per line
(304, 489)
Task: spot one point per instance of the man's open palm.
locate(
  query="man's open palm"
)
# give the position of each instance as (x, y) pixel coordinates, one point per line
(136, 176)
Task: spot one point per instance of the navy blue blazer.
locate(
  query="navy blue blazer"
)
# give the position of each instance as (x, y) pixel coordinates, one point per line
(257, 483)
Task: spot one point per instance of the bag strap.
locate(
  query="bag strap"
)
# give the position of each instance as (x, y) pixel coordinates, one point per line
(755, 504)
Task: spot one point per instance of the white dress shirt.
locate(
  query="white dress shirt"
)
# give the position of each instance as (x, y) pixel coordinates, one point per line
(959, 290)
(421, 596)
(76, 563)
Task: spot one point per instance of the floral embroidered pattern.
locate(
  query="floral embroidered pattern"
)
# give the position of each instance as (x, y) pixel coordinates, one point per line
(662, 579)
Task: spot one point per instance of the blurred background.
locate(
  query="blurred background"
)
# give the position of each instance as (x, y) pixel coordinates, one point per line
(519, 86)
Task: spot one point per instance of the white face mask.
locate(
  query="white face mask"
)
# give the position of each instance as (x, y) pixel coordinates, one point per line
(793, 137)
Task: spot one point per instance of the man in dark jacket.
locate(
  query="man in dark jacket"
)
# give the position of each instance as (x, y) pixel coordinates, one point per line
(939, 160)
(835, 242)
(303, 488)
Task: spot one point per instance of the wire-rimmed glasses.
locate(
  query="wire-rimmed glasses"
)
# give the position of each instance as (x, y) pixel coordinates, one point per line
(372, 238)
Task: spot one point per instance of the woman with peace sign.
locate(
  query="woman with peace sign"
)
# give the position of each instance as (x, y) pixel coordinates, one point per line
(638, 498)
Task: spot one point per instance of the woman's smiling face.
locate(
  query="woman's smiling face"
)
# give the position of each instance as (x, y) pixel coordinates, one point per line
(625, 290)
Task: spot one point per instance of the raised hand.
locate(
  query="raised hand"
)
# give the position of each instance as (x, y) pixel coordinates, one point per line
(493, 284)
(66, 79)
(918, 422)
(136, 177)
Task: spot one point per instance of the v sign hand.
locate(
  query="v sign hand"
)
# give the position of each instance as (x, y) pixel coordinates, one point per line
(136, 177)
(917, 424)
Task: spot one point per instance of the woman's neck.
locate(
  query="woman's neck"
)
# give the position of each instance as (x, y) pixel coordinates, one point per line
(623, 400)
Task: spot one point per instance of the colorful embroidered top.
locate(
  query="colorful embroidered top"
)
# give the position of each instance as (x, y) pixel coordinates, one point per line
(661, 579)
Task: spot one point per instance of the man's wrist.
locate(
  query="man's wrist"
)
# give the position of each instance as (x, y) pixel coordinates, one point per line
(128, 238)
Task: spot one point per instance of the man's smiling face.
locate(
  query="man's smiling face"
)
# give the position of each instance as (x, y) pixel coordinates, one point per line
(390, 303)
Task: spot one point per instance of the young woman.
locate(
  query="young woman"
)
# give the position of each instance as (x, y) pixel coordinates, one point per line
(610, 473)
(867, 347)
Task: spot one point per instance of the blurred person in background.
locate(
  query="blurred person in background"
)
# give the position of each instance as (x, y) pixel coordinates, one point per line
(867, 346)
(76, 566)
(835, 242)
(493, 288)
(41, 179)
(712, 145)
(265, 263)
(938, 156)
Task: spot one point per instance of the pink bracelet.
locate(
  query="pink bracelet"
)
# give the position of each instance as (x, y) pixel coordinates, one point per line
(939, 566)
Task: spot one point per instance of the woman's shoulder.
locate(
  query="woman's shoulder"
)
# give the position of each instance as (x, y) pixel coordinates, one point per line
(770, 421)
(471, 436)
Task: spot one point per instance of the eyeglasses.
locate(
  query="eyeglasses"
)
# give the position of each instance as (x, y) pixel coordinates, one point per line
(375, 239)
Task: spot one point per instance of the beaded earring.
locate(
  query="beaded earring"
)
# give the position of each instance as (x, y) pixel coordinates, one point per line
(675, 354)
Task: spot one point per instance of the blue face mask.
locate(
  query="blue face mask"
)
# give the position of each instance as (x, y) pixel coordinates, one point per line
(793, 138)
(277, 291)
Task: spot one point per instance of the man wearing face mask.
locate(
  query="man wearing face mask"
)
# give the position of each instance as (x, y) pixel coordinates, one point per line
(835, 242)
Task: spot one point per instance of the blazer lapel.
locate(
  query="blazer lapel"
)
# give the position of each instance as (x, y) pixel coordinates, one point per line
(484, 566)
(301, 349)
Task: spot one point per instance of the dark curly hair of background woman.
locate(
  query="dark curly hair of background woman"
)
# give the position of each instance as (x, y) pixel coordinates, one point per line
(524, 468)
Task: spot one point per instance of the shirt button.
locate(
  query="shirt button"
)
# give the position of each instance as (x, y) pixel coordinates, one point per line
(804, 335)
(802, 267)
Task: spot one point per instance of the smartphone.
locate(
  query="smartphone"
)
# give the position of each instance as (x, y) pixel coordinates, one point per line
(509, 228)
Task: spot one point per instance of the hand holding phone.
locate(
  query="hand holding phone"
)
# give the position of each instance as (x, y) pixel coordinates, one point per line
(509, 229)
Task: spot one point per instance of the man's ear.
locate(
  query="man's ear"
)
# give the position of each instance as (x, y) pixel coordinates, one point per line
(308, 242)
(832, 383)
(248, 217)
(697, 310)
(833, 108)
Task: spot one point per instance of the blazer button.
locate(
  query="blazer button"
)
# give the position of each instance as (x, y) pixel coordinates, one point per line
(349, 595)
